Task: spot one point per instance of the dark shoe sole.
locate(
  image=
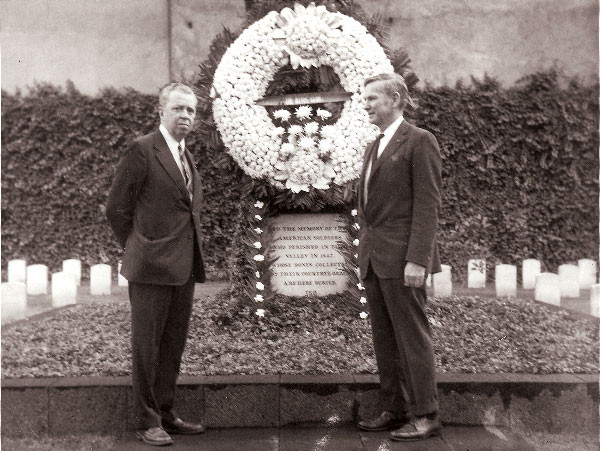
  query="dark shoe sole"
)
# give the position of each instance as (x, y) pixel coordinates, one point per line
(177, 432)
(141, 437)
(433, 433)
(384, 428)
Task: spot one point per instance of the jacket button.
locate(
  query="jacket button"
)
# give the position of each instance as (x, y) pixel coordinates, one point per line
(190, 236)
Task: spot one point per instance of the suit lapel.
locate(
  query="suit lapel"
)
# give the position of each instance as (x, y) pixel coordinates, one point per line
(164, 155)
(392, 147)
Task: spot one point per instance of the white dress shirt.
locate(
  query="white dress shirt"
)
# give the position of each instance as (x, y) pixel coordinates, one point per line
(173, 146)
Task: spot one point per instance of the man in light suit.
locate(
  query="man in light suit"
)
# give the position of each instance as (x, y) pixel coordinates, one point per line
(399, 203)
(154, 210)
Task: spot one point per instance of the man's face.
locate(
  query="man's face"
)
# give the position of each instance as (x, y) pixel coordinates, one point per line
(382, 109)
(178, 114)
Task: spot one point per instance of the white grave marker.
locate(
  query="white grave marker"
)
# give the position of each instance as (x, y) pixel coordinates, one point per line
(595, 300)
(64, 289)
(547, 288)
(531, 269)
(100, 276)
(506, 280)
(476, 274)
(428, 280)
(14, 301)
(442, 283)
(37, 279)
(568, 278)
(122, 281)
(73, 266)
(587, 273)
(17, 271)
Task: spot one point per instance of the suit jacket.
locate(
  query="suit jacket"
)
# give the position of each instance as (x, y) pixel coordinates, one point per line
(150, 212)
(400, 218)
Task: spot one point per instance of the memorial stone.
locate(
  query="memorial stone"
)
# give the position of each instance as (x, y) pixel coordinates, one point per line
(506, 280)
(73, 266)
(309, 262)
(587, 273)
(14, 301)
(121, 281)
(476, 274)
(37, 279)
(100, 276)
(64, 289)
(595, 300)
(17, 271)
(547, 288)
(442, 282)
(568, 277)
(531, 269)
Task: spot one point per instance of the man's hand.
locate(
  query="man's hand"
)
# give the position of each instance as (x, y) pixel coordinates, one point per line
(414, 275)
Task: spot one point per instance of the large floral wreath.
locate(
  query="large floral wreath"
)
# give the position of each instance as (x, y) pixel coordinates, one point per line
(310, 154)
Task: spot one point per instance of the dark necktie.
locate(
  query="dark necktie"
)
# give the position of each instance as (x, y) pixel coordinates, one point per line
(373, 161)
(186, 174)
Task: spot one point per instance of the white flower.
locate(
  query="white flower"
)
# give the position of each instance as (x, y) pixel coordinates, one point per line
(356, 226)
(257, 274)
(360, 286)
(325, 146)
(260, 312)
(311, 128)
(283, 115)
(356, 242)
(259, 204)
(257, 245)
(363, 315)
(329, 131)
(323, 114)
(259, 257)
(295, 130)
(306, 142)
(287, 149)
(259, 298)
(303, 112)
(260, 286)
(363, 300)
(354, 212)
(258, 230)
(355, 255)
(258, 217)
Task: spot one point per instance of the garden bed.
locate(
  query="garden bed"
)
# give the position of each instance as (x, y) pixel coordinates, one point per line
(307, 336)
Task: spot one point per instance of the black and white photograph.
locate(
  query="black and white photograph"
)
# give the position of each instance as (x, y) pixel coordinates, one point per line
(276, 225)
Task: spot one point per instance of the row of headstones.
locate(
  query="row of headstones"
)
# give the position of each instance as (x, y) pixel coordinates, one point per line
(549, 287)
(26, 280)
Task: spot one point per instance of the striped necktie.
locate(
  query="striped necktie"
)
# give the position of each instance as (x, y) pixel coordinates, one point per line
(186, 171)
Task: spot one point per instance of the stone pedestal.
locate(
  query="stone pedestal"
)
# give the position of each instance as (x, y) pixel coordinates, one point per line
(100, 280)
(37, 279)
(547, 288)
(17, 271)
(506, 280)
(595, 300)
(64, 289)
(442, 283)
(531, 269)
(568, 278)
(14, 301)
(587, 273)
(73, 266)
(121, 281)
(476, 274)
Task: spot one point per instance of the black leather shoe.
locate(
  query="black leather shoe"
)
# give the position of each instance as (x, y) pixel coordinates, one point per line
(155, 436)
(418, 429)
(178, 426)
(386, 421)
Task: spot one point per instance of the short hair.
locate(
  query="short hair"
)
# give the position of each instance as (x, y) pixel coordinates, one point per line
(165, 91)
(393, 83)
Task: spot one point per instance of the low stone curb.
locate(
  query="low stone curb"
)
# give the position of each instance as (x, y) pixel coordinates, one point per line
(556, 403)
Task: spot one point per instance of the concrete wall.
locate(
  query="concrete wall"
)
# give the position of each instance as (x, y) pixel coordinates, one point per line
(93, 43)
(144, 43)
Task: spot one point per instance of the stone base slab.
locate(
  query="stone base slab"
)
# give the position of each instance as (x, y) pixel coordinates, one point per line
(553, 403)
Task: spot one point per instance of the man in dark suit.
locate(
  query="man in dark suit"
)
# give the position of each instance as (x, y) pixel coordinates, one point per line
(154, 210)
(399, 203)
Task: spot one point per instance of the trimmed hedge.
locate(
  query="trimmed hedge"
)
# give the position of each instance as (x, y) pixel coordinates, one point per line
(520, 172)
